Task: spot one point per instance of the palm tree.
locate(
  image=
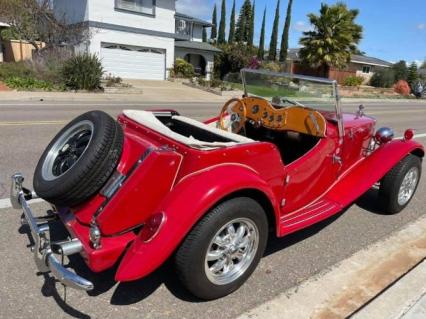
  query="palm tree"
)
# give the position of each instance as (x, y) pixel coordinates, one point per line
(334, 38)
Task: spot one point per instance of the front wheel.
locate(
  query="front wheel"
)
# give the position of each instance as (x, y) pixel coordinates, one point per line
(223, 249)
(398, 186)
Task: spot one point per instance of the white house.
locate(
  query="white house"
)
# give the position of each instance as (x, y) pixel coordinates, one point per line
(139, 39)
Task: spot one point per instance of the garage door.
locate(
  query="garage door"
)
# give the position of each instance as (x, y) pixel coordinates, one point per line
(131, 62)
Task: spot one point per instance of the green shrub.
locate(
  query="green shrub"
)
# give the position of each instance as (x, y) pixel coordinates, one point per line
(29, 84)
(15, 69)
(353, 80)
(383, 78)
(232, 58)
(183, 69)
(82, 72)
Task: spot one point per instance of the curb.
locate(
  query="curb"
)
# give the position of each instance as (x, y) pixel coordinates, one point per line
(344, 289)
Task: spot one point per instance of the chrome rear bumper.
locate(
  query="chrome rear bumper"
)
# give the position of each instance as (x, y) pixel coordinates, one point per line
(44, 256)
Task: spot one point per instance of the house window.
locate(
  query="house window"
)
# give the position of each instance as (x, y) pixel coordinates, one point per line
(366, 69)
(138, 6)
(183, 27)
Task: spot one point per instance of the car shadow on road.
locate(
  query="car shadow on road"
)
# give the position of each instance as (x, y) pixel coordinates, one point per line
(136, 291)
(370, 201)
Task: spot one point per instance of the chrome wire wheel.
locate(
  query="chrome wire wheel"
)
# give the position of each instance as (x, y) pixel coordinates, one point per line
(408, 186)
(231, 251)
(67, 150)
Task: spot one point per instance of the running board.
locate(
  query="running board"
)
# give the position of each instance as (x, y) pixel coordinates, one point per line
(311, 214)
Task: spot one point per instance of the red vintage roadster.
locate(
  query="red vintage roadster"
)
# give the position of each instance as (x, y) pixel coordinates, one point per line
(156, 185)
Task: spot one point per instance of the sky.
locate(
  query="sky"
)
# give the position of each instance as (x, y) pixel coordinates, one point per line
(393, 29)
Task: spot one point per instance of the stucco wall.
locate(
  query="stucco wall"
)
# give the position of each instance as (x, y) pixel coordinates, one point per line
(163, 20)
(16, 50)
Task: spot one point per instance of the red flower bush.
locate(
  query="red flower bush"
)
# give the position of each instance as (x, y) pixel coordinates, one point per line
(402, 87)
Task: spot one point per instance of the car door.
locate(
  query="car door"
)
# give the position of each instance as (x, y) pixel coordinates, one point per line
(311, 175)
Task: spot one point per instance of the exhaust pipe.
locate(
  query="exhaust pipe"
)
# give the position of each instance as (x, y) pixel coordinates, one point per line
(67, 248)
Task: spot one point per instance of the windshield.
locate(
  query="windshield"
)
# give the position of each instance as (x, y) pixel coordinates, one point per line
(283, 89)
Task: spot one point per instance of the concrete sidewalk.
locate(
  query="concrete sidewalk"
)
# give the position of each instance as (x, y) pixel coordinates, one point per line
(406, 299)
(158, 91)
(386, 280)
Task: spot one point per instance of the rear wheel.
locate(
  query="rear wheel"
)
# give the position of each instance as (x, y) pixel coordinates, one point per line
(223, 249)
(399, 184)
(79, 160)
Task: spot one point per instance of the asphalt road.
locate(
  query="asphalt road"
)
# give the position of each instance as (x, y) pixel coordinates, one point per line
(27, 127)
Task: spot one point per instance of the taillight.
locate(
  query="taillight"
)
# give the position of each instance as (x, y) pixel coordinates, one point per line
(152, 227)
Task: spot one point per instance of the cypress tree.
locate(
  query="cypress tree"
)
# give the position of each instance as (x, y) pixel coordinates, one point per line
(261, 51)
(221, 37)
(213, 34)
(204, 34)
(243, 24)
(412, 74)
(284, 40)
(231, 37)
(274, 36)
(251, 25)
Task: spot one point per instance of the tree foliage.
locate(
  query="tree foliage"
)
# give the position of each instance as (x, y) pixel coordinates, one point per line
(231, 36)
(412, 74)
(34, 21)
(284, 40)
(213, 34)
(261, 51)
(232, 58)
(242, 32)
(334, 38)
(221, 39)
(383, 78)
(401, 70)
(274, 36)
(250, 35)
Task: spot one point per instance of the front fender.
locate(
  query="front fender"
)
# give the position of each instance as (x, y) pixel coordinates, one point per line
(372, 169)
(189, 200)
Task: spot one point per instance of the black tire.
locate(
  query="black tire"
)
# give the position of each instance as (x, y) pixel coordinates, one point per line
(391, 184)
(92, 169)
(190, 256)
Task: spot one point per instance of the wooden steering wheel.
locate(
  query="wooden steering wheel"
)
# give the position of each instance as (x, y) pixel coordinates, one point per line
(236, 111)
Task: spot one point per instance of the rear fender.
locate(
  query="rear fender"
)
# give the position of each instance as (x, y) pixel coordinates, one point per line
(191, 198)
(372, 169)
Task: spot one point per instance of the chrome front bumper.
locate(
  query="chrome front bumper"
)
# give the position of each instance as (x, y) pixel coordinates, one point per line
(43, 249)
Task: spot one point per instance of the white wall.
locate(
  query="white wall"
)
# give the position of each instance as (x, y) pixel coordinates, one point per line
(164, 21)
(73, 11)
(127, 38)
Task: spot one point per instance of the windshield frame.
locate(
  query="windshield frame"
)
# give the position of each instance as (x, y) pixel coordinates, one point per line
(333, 83)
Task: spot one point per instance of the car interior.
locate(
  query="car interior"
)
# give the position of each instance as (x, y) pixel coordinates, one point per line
(294, 129)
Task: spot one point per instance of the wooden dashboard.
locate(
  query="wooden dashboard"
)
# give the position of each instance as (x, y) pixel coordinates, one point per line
(292, 118)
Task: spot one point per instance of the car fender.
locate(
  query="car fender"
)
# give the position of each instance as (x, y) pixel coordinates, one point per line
(192, 197)
(372, 169)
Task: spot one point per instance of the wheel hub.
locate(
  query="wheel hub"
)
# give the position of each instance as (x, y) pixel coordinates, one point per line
(408, 186)
(231, 251)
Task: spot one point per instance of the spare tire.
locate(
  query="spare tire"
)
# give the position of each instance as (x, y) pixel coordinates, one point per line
(79, 160)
